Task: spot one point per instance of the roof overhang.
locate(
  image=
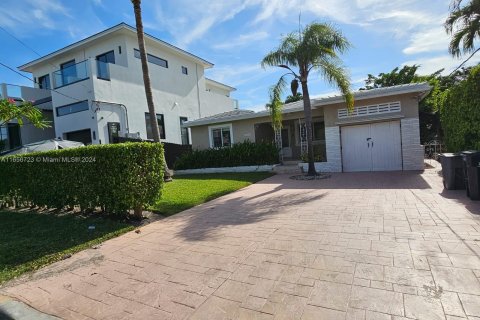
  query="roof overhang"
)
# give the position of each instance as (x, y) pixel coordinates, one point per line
(119, 27)
(220, 85)
(422, 89)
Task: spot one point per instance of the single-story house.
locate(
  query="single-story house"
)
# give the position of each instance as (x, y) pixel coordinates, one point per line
(381, 133)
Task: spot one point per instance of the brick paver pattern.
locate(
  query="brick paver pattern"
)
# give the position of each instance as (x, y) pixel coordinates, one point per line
(358, 246)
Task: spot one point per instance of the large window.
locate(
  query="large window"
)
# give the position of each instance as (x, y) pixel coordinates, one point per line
(44, 82)
(102, 64)
(72, 108)
(161, 126)
(184, 131)
(221, 136)
(318, 130)
(152, 59)
(69, 71)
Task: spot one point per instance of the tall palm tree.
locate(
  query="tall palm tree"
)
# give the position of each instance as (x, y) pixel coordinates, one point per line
(146, 81)
(463, 24)
(314, 48)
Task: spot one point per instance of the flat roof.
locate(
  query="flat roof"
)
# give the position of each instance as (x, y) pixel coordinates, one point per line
(219, 84)
(422, 88)
(118, 27)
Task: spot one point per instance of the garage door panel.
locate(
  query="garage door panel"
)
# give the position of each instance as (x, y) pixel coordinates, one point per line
(355, 153)
(372, 147)
(386, 148)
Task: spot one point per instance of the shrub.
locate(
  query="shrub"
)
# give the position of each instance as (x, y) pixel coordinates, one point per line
(239, 154)
(460, 114)
(114, 177)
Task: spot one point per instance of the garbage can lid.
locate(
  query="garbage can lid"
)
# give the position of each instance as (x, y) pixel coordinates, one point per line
(449, 155)
(470, 152)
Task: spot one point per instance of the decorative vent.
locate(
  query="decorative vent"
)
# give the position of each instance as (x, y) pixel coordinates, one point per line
(370, 110)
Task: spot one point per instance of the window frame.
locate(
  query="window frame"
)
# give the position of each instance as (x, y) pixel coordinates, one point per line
(221, 126)
(98, 65)
(162, 132)
(48, 83)
(69, 105)
(185, 70)
(185, 119)
(151, 58)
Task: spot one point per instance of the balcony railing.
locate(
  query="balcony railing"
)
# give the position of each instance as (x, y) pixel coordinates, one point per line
(103, 70)
(71, 74)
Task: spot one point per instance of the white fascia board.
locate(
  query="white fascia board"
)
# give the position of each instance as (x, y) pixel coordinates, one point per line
(122, 26)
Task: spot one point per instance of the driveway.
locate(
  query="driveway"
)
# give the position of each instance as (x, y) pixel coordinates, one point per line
(355, 246)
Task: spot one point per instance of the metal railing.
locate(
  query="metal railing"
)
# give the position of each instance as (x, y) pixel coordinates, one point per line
(71, 74)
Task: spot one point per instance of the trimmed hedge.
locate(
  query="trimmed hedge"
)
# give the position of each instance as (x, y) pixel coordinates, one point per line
(114, 177)
(239, 154)
(460, 114)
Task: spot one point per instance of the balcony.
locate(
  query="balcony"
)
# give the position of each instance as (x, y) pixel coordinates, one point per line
(103, 70)
(72, 74)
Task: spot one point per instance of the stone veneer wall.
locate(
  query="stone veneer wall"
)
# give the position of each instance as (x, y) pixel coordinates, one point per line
(412, 150)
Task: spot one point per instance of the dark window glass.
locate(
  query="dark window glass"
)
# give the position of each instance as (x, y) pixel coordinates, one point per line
(72, 108)
(113, 131)
(161, 126)
(184, 131)
(152, 59)
(102, 64)
(14, 137)
(69, 71)
(44, 82)
(184, 70)
(84, 136)
(319, 130)
(221, 137)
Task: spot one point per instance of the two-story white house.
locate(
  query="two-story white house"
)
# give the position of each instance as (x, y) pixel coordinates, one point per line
(98, 92)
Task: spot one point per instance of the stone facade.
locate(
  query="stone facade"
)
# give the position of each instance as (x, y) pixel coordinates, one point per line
(412, 150)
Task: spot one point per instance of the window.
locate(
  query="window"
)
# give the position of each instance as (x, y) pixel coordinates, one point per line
(221, 137)
(102, 66)
(44, 82)
(318, 130)
(184, 70)
(152, 59)
(184, 131)
(84, 136)
(69, 71)
(161, 126)
(113, 131)
(72, 108)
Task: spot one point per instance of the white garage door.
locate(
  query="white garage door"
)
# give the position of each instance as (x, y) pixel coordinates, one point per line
(372, 147)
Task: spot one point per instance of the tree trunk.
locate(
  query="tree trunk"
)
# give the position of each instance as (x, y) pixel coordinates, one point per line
(138, 213)
(307, 109)
(146, 81)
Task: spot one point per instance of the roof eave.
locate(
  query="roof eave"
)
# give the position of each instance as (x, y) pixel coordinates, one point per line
(27, 66)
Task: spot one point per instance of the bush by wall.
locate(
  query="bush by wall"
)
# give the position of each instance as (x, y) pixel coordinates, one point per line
(460, 114)
(114, 177)
(240, 154)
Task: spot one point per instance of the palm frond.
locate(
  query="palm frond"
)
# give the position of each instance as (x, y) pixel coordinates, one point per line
(276, 104)
(335, 74)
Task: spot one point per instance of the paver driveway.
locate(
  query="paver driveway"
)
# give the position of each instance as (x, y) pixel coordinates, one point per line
(356, 246)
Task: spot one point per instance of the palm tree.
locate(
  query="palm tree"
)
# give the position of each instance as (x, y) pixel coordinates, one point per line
(463, 24)
(146, 80)
(314, 48)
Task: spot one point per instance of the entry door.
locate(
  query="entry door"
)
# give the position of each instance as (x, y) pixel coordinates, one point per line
(286, 147)
(372, 147)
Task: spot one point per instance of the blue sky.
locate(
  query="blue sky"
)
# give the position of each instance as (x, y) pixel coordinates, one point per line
(236, 34)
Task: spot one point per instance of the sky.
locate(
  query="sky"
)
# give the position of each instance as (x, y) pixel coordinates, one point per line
(236, 34)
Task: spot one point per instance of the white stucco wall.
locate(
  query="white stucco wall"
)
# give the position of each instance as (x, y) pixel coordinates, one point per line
(175, 94)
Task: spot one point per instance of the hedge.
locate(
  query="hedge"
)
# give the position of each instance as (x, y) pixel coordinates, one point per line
(460, 114)
(239, 154)
(114, 177)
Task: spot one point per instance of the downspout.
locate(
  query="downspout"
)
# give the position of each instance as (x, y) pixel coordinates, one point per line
(198, 93)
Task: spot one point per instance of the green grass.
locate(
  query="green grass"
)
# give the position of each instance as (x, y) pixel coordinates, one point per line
(190, 190)
(30, 240)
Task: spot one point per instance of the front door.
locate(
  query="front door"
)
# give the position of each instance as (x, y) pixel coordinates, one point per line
(372, 147)
(286, 143)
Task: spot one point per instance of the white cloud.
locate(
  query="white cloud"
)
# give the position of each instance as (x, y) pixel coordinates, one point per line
(429, 65)
(242, 40)
(431, 40)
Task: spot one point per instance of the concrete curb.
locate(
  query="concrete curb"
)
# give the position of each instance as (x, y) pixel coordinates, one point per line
(12, 309)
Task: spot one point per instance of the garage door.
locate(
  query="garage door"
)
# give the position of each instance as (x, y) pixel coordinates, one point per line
(372, 147)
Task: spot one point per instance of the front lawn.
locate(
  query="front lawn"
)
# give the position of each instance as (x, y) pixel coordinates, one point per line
(190, 190)
(30, 240)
